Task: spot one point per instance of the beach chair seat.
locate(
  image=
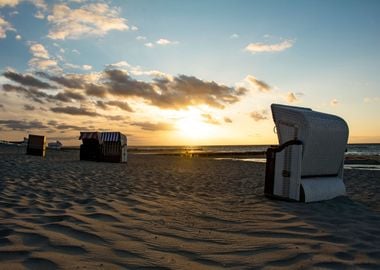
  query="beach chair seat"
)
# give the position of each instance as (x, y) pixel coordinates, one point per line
(308, 163)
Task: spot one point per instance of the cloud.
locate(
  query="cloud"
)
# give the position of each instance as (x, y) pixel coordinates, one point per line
(26, 80)
(28, 107)
(184, 91)
(23, 124)
(334, 102)
(259, 85)
(120, 64)
(120, 104)
(4, 27)
(70, 80)
(2, 107)
(87, 67)
(259, 115)
(164, 42)
(11, 3)
(41, 8)
(64, 126)
(38, 50)
(234, 36)
(134, 28)
(262, 47)
(74, 111)
(89, 20)
(227, 120)
(141, 38)
(154, 126)
(291, 97)
(149, 45)
(18, 37)
(209, 119)
(41, 59)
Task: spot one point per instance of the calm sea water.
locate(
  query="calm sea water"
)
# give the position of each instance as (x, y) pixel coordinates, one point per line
(354, 149)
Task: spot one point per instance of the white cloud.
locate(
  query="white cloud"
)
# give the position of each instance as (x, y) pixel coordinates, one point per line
(141, 38)
(234, 36)
(38, 50)
(11, 3)
(134, 28)
(4, 27)
(262, 47)
(334, 102)
(120, 64)
(89, 20)
(43, 64)
(163, 41)
(76, 51)
(18, 37)
(87, 67)
(149, 45)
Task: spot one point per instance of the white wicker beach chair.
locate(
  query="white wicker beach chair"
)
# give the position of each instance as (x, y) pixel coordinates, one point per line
(308, 164)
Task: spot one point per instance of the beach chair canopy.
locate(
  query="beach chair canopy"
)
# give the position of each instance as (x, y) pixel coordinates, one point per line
(308, 164)
(323, 136)
(89, 135)
(113, 137)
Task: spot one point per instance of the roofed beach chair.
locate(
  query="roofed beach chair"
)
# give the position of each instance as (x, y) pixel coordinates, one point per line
(36, 145)
(90, 147)
(308, 164)
(113, 147)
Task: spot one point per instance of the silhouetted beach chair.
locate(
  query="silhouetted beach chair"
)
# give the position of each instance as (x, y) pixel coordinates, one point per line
(308, 164)
(90, 147)
(113, 147)
(36, 145)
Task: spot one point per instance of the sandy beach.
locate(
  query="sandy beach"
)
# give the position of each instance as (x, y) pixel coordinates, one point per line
(171, 212)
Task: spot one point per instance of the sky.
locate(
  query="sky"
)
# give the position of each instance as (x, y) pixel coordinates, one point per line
(185, 72)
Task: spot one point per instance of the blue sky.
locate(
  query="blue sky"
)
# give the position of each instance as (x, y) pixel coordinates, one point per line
(318, 54)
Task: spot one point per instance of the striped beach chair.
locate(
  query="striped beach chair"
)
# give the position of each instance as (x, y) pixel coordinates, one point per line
(113, 147)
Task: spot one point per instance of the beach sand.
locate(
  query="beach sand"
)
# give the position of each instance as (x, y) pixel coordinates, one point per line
(170, 212)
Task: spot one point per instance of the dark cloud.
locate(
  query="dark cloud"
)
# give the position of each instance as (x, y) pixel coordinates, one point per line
(119, 83)
(27, 80)
(186, 91)
(259, 85)
(70, 81)
(74, 111)
(28, 107)
(63, 126)
(115, 103)
(116, 117)
(259, 115)
(101, 104)
(22, 124)
(209, 119)
(122, 105)
(30, 93)
(96, 90)
(39, 96)
(227, 120)
(153, 126)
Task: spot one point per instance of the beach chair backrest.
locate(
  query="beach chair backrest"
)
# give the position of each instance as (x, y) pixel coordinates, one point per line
(324, 137)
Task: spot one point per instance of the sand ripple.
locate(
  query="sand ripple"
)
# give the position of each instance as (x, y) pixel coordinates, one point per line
(175, 213)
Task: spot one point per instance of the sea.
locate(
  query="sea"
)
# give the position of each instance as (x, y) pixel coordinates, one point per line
(352, 149)
(245, 152)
